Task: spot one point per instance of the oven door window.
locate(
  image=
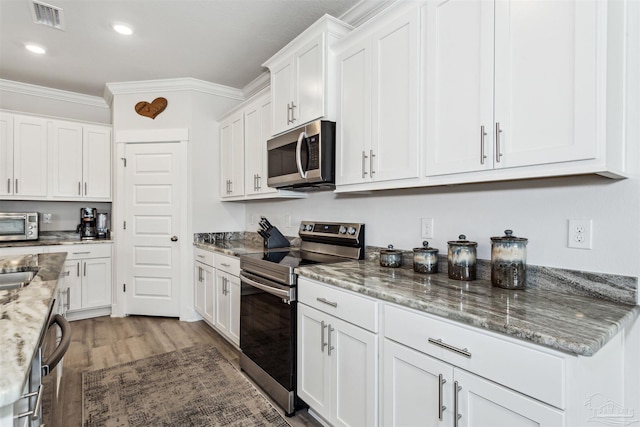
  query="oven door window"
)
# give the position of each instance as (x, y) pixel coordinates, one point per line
(12, 226)
(267, 333)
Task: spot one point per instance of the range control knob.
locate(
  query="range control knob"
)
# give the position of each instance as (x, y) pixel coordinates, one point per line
(302, 227)
(343, 229)
(351, 230)
(309, 227)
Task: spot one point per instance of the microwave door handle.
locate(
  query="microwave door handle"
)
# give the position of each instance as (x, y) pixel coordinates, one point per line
(302, 172)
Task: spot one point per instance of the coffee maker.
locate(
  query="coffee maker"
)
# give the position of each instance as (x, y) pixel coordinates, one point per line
(87, 227)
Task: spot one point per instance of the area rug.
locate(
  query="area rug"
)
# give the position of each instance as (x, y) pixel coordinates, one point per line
(196, 386)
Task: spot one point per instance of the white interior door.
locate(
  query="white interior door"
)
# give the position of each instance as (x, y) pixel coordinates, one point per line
(154, 193)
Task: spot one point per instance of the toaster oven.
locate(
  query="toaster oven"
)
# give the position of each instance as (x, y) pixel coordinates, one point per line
(18, 226)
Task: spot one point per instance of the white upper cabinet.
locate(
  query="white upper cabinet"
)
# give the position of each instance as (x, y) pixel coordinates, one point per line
(378, 100)
(80, 161)
(6, 154)
(232, 155)
(257, 130)
(510, 84)
(302, 76)
(29, 157)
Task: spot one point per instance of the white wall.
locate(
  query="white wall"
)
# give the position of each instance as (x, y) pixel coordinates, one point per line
(535, 209)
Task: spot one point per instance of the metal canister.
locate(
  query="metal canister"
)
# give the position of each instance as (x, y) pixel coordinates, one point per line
(425, 259)
(461, 259)
(391, 257)
(509, 261)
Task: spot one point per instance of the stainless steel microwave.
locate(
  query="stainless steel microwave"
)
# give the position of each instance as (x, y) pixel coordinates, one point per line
(18, 226)
(304, 158)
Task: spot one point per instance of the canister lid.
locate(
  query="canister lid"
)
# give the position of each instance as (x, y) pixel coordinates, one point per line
(462, 241)
(425, 248)
(390, 251)
(509, 238)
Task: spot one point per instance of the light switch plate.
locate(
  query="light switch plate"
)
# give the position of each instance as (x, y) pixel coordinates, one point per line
(427, 228)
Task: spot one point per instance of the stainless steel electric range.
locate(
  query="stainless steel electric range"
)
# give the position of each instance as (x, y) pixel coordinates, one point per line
(268, 303)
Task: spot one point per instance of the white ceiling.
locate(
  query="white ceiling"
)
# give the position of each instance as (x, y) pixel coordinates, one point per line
(218, 41)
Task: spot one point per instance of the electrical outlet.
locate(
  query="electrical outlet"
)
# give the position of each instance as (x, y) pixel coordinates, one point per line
(427, 228)
(580, 234)
(46, 218)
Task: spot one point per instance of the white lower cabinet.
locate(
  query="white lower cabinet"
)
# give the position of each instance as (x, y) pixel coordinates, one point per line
(422, 390)
(228, 306)
(337, 359)
(87, 283)
(204, 278)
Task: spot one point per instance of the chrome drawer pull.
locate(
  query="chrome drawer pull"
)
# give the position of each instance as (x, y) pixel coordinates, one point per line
(482, 135)
(498, 132)
(225, 264)
(464, 352)
(201, 256)
(324, 301)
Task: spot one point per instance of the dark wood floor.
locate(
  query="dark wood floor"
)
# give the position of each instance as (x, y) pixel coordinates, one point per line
(104, 342)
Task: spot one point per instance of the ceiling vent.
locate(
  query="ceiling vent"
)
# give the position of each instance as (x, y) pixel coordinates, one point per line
(45, 14)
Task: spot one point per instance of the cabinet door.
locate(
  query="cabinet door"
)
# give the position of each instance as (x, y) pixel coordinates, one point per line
(6, 154)
(221, 303)
(232, 156)
(73, 284)
(257, 130)
(309, 82)
(96, 163)
(282, 96)
(209, 278)
(198, 288)
(313, 363)
(394, 150)
(413, 393)
(66, 160)
(233, 297)
(30, 156)
(458, 82)
(354, 112)
(484, 403)
(353, 352)
(546, 80)
(96, 282)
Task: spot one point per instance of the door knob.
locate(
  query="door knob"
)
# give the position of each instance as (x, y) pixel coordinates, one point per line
(174, 239)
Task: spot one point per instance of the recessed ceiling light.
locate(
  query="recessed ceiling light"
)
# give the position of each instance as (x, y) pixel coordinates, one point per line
(121, 28)
(35, 48)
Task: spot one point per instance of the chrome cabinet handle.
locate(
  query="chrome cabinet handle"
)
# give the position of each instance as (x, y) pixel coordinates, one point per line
(224, 264)
(441, 407)
(68, 298)
(330, 347)
(456, 415)
(498, 132)
(199, 274)
(364, 159)
(323, 343)
(85, 188)
(201, 256)
(371, 156)
(464, 351)
(81, 253)
(258, 186)
(293, 114)
(77, 269)
(16, 186)
(79, 188)
(9, 185)
(325, 301)
(288, 114)
(85, 269)
(482, 135)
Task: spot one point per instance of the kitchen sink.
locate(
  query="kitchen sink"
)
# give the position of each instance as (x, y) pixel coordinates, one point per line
(17, 279)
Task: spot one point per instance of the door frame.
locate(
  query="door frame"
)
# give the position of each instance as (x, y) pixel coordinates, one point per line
(175, 135)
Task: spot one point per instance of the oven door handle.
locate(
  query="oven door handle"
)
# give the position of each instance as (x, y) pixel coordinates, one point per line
(273, 291)
(301, 137)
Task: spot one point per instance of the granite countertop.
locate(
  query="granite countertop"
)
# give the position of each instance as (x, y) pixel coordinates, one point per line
(574, 324)
(49, 238)
(232, 247)
(23, 315)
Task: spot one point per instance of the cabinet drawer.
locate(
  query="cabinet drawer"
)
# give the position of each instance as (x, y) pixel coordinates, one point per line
(102, 250)
(536, 373)
(345, 305)
(205, 257)
(229, 264)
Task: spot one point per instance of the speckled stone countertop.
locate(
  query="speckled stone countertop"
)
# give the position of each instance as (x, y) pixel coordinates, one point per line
(49, 238)
(570, 323)
(23, 315)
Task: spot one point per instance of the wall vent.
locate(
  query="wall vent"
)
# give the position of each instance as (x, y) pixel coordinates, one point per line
(45, 14)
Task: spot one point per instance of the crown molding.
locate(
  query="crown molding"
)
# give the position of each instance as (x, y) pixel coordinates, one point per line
(257, 85)
(168, 85)
(57, 94)
(363, 11)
